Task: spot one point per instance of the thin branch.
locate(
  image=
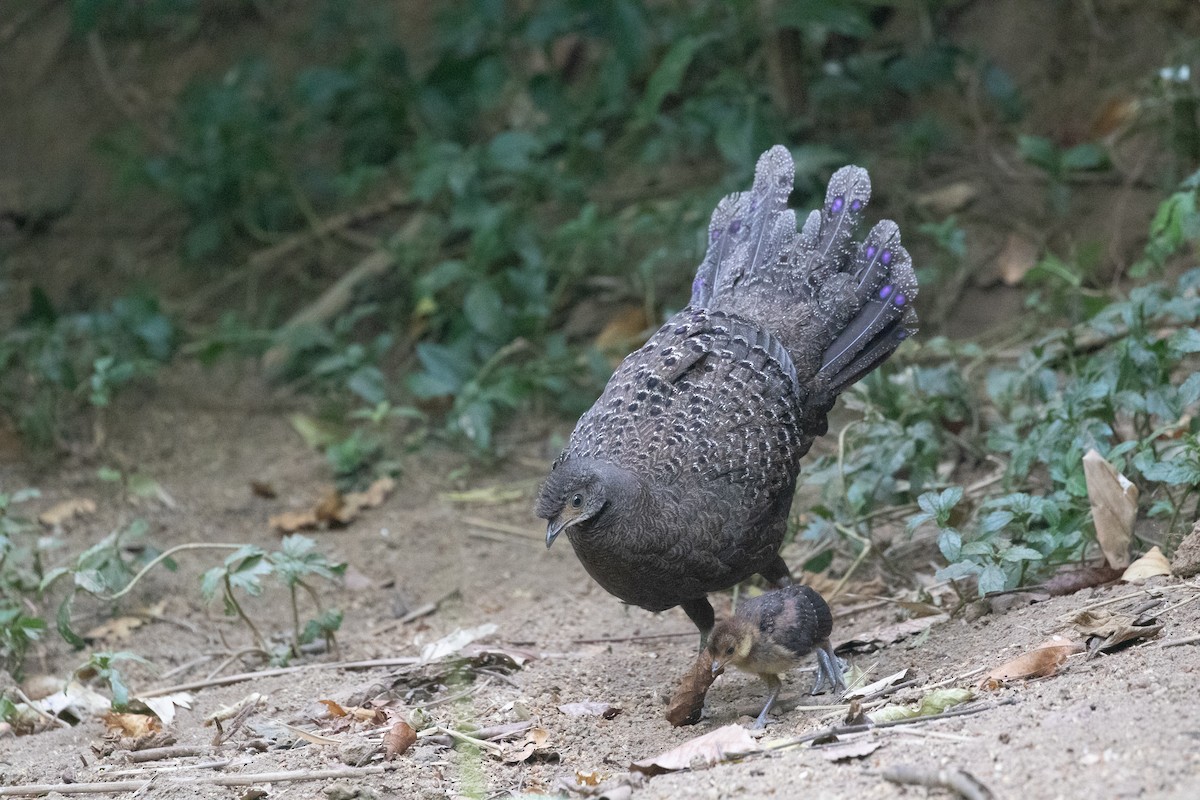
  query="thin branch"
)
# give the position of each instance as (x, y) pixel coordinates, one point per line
(244, 779)
(273, 673)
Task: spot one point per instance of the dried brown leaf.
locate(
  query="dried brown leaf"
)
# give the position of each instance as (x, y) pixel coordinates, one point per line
(398, 739)
(946, 200)
(1151, 565)
(1016, 259)
(533, 747)
(688, 703)
(59, 513)
(1114, 507)
(890, 634)
(114, 630)
(263, 489)
(1041, 662)
(292, 521)
(1074, 579)
(711, 748)
(1107, 630)
(132, 725)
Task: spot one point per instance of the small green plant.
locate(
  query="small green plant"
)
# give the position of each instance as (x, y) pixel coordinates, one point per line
(20, 574)
(103, 666)
(293, 566)
(55, 366)
(1060, 164)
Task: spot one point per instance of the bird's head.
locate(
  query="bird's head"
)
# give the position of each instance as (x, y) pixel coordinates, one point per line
(577, 494)
(730, 643)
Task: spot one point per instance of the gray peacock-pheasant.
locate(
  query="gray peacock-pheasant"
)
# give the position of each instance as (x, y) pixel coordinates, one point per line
(679, 480)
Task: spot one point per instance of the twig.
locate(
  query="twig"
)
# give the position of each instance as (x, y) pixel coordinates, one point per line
(1140, 592)
(160, 753)
(501, 527)
(273, 673)
(230, 659)
(842, 730)
(185, 666)
(959, 781)
(109, 84)
(491, 747)
(244, 779)
(949, 737)
(1179, 642)
(159, 770)
(640, 638)
(24, 698)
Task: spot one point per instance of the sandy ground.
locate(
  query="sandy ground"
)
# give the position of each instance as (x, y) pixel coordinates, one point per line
(1119, 725)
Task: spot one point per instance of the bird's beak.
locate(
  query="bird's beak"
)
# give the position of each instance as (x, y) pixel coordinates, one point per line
(553, 528)
(717, 668)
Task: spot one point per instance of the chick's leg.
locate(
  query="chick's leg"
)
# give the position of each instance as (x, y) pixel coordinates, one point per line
(774, 685)
(700, 611)
(829, 669)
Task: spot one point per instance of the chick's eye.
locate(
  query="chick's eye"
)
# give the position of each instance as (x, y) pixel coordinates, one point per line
(577, 501)
(729, 650)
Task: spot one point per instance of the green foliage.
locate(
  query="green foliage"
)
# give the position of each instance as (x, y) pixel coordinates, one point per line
(293, 567)
(20, 574)
(53, 365)
(1060, 164)
(103, 666)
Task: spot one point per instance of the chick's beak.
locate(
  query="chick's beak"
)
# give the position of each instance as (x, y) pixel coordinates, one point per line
(717, 668)
(553, 528)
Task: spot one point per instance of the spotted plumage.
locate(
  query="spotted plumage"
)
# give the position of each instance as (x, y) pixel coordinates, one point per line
(678, 481)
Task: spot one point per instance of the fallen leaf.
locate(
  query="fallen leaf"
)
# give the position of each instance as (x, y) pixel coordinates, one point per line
(76, 701)
(588, 778)
(890, 634)
(132, 725)
(1107, 630)
(1041, 662)
(589, 709)
(164, 706)
(843, 751)
(533, 747)
(455, 642)
(877, 686)
(398, 739)
(1152, 564)
(946, 200)
(1114, 507)
(68, 509)
(253, 700)
(292, 521)
(623, 331)
(687, 705)
(263, 489)
(931, 704)
(1073, 579)
(1016, 259)
(373, 497)
(713, 747)
(114, 630)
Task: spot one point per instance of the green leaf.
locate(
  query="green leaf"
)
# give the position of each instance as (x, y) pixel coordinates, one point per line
(1086, 156)
(950, 543)
(992, 579)
(63, 623)
(668, 76)
(1039, 151)
(484, 310)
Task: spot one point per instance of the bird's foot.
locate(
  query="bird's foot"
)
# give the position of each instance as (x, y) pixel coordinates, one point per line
(830, 670)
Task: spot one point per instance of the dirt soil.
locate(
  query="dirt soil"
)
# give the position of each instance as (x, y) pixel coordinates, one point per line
(1117, 725)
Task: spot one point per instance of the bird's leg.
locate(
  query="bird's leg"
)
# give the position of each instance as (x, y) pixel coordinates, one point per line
(700, 611)
(829, 669)
(774, 685)
(777, 573)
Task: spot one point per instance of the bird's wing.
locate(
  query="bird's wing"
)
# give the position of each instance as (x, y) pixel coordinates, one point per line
(710, 396)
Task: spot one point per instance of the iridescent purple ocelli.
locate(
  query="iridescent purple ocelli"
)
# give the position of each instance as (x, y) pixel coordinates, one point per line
(871, 250)
(886, 258)
(885, 292)
(856, 205)
(837, 204)
(899, 299)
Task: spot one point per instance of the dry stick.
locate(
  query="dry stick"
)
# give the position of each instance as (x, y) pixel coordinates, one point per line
(159, 770)
(159, 753)
(959, 781)
(272, 673)
(840, 730)
(500, 527)
(1178, 642)
(1110, 601)
(245, 779)
(639, 638)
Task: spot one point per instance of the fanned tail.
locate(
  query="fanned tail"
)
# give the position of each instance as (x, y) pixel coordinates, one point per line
(820, 292)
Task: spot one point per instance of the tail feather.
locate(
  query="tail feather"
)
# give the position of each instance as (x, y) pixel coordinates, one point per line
(852, 301)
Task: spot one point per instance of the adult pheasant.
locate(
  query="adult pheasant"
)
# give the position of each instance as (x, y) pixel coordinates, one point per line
(678, 481)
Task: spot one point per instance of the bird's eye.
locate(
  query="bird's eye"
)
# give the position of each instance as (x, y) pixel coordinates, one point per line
(729, 650)
(577, 501)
